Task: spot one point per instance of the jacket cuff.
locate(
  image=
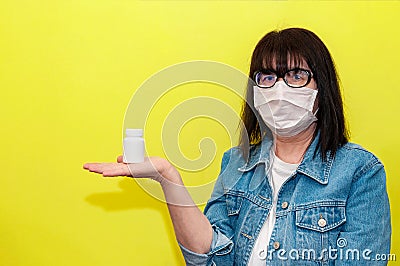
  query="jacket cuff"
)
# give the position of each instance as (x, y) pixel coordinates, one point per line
(220, 245)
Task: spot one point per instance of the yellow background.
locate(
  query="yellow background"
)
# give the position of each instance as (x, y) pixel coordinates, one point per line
(69, 68)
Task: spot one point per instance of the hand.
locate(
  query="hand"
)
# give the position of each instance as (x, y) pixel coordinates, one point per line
(109, 169)
(152, 167)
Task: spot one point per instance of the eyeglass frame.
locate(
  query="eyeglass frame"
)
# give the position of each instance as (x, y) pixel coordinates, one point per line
(278, 76)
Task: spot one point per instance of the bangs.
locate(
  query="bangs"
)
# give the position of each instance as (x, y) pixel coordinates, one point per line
(280, 54)
(282, 61)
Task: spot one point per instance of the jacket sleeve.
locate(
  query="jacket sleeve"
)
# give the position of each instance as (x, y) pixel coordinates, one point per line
(365, 237)
(221, 249)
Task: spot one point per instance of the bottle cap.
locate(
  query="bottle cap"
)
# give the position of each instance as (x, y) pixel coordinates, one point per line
(134, 132)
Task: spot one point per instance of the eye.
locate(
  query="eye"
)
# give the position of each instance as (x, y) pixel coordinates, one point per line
(297, 77)
(268, 77)
(265, 79)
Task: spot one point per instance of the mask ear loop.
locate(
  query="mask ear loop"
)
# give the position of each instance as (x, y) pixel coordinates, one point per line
(316, 111)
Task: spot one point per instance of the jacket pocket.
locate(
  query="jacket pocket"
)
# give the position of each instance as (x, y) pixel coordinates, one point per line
(234, 200)
(317, 227)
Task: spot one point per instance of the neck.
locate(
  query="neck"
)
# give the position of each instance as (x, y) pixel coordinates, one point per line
(292, 149)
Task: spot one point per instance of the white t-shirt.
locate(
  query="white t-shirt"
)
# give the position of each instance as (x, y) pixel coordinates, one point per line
(280, 171)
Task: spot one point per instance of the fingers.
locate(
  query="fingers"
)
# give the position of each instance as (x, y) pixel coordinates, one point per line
(117, 170)
(95, 167)
(108, 169)
(88, 166)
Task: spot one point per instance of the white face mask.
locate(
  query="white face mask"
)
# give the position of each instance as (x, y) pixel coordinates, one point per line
(286, 111)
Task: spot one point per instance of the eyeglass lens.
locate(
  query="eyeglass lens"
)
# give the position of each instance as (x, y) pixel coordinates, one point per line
(293, 78)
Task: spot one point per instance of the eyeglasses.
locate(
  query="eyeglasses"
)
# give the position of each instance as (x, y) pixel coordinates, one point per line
(295, 78)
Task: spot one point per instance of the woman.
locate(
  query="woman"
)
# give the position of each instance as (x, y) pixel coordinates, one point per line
(300, 193)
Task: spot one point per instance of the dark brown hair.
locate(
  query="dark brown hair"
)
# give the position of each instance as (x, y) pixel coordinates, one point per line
(279, 50)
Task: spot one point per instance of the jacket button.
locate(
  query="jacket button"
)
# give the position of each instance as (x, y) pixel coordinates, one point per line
(276, 245)
(285, 205)
(322, 222)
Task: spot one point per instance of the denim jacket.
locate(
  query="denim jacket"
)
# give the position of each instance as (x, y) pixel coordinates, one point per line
(332, 212)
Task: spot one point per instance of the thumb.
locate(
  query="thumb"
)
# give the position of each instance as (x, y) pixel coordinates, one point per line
(119, 159)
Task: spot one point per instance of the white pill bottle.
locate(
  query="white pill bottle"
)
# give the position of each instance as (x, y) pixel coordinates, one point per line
(133, 146)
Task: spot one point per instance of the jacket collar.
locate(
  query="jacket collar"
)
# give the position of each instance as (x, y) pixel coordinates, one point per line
(313, 167)
(258, 154)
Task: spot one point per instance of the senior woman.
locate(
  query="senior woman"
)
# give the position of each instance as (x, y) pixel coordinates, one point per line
(295, 191)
